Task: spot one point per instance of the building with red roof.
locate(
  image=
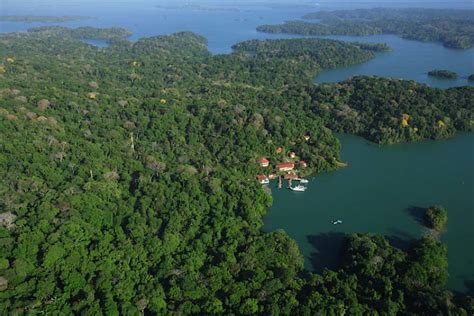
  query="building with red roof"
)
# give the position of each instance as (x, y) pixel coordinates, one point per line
(285, 166)
(291, 176)
(263, 179)
(264, 162)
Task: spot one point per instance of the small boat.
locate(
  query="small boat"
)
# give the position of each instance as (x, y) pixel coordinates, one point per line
(304, 181)
(266, 181)
(298, 188)
(336, 222)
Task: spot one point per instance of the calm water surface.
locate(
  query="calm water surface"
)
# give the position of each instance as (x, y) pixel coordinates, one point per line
(408, 60)
(379, 192)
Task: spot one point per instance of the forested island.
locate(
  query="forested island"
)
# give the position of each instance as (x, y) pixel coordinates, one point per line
(436, 217)
(110, 35)
(319, 29)
(454, 28)
(127, 177)
(444, 74)
(42, 19)
(212, 8)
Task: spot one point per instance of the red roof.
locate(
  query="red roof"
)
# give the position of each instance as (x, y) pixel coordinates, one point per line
(291, 176)
(263, 160)
(261, 177)
(285, 165)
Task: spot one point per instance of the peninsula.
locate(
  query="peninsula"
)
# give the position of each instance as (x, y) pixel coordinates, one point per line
(453, 28)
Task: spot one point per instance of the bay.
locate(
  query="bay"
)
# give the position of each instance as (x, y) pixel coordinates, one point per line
(382, 191)
(411, 60)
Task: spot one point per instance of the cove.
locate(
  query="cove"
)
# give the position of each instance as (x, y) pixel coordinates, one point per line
(410, 60)
(382, 191)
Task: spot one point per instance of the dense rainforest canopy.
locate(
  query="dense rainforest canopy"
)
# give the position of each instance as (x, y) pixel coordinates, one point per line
(454, 28)
(127, 177)
(391, 110)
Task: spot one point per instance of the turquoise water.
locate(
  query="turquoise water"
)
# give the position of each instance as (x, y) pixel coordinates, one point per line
(382, 187)
(381, 191)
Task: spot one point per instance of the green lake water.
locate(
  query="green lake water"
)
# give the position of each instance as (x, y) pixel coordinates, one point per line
(381, 192)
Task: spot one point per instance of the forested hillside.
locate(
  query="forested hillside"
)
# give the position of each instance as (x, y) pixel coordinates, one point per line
(453, 28)
(127, 177)
(392, 111)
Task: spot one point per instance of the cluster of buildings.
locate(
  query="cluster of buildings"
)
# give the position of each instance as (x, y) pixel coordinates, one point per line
(287, 168)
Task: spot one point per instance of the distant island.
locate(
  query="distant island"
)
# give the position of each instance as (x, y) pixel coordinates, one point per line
(319, 29)
(86, 32)
(42, 19)
(198, 7)
(453, 28)
(444, 74)
(471, 77)
(375, 47)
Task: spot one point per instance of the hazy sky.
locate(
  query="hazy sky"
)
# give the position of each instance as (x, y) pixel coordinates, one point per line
(76, 2)
(6, 5)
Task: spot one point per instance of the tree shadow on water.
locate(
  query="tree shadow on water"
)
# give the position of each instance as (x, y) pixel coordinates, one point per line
(400, 242)
(327, 252)
(418, 213)
(469, 284)
(400, 239)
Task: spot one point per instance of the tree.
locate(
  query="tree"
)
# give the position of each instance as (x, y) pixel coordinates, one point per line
(436, 217)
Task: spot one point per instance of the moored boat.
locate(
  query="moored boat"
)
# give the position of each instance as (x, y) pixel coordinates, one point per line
(298, 188)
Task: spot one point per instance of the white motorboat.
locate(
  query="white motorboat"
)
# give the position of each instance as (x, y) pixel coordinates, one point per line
(304, 181)
(336, 222)
(298, 188)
